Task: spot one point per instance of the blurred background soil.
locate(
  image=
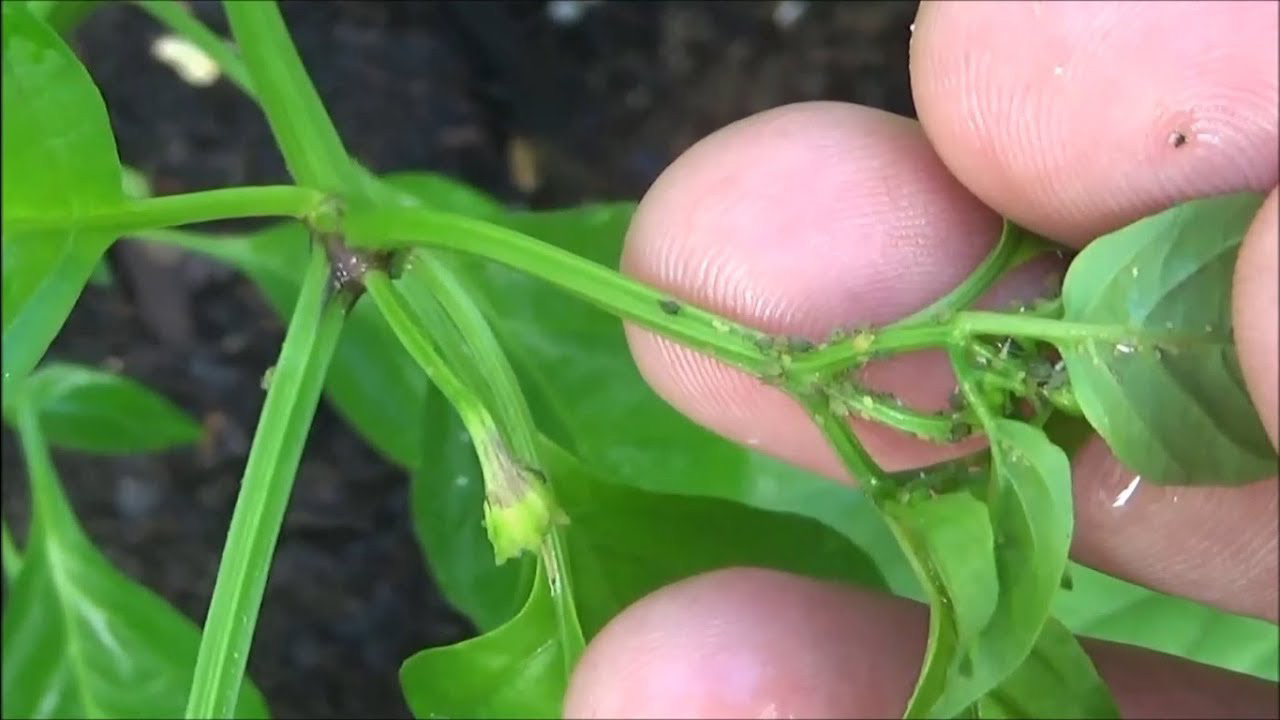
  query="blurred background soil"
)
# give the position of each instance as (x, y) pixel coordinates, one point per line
(541, 104)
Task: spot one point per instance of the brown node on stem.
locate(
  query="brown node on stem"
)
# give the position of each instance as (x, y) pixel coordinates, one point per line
(348, 266)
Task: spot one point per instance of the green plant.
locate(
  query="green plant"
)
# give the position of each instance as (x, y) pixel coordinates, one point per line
(420, 292)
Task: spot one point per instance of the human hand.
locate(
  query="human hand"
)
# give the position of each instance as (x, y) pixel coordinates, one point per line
(1072, 120)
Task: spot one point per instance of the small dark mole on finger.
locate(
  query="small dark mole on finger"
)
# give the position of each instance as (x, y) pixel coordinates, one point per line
(1177, 138)
(670, 307)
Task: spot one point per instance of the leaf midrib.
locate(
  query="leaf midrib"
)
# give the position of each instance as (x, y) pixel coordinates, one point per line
(75, 650)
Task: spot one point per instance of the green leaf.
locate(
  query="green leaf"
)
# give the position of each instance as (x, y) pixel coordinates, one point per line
(12, 557)
(1165, 388)
(59, 163)
(624, 543)
(91, 410)
(952, 545)
(515, 671)
(80, 638)
(1030, 515)
(1056, 680)
(1100, 606)
(621, 543)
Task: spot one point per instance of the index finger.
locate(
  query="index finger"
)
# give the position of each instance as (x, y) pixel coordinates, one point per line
(1074, 119)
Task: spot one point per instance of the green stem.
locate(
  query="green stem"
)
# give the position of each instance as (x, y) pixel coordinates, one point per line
(1009, 248)
(968, 382)
(401, 317)
(184, 209)
(290, 405)
(848, 447)
(312, 149)
(12, 556)
(701, 330)
(465, 326)
(928, 426)
(447, 294)
(607, 289)
(178, 18)
(519, 509)
(555, 556)
(972, 323)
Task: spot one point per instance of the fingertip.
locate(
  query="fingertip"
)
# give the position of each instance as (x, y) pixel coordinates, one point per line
(799, 221)
(743, 643)
(1222, 554)
(1075, 119)
(1255, 303)
(752, 643)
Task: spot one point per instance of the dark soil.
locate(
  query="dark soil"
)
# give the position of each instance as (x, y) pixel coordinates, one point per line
(535, 111)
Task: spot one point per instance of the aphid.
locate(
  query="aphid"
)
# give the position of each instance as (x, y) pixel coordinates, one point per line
(798, 344)
(837, 406)
(960, 431)
(862, 341)
(670, 307)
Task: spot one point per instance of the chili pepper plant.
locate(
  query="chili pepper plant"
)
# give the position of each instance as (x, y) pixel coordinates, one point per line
(480, 348)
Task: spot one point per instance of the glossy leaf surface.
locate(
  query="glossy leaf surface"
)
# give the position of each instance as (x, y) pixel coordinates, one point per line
(515, 671)
(1030, 514)
(1169, 398)
(91, 410)
(59, 163)
(1056, 680)
(80, 638)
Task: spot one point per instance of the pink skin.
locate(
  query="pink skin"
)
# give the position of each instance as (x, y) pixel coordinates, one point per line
(1073, 119)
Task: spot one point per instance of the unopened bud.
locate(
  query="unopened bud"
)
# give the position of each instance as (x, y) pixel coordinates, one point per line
(519, 509)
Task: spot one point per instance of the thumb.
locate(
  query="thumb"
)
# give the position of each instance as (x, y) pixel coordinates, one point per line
(1255, 302)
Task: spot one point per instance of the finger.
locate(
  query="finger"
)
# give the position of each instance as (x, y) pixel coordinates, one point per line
(1216, 545)
(760, 644)
(1074, 119)
(1256, 297)
(802, 220)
